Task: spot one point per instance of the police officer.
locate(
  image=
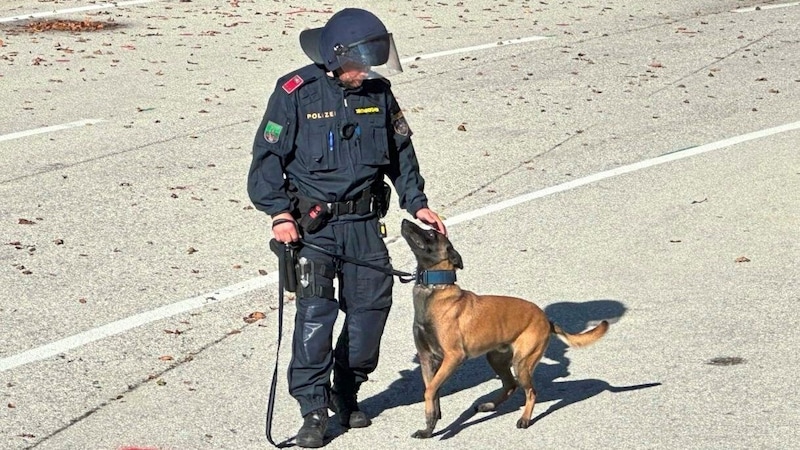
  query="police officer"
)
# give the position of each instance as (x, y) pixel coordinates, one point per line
(331, 132)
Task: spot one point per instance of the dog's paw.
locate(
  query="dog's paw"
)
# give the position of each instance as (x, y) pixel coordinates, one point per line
(523, 423)
(485, 407)
(422, 434)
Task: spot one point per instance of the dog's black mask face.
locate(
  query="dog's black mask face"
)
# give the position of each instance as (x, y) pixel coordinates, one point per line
(430, 247)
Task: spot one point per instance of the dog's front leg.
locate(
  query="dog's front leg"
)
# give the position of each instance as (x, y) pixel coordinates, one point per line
(428, 360)
(432, 411)
(430, 364)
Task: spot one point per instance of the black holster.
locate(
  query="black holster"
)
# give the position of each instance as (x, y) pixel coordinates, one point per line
(381, 196)
(287, 260)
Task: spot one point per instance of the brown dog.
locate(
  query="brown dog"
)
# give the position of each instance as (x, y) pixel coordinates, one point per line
(452, 325)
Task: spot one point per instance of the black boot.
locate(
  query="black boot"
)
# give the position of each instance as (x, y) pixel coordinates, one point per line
(312, 433)
(345, 405)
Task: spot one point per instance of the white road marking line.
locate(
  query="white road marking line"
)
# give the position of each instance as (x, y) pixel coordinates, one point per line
(120, 326)
(74, 10)
(473, 48)
(763, 7)
(66, 126)
(674, 156)
(123, 325)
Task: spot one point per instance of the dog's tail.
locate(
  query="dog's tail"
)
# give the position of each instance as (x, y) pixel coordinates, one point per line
(580, 339)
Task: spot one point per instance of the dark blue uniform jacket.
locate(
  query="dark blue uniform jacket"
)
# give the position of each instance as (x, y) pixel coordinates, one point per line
(304, 136)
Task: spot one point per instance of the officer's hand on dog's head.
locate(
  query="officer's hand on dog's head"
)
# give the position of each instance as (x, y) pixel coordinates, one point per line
(431, 219)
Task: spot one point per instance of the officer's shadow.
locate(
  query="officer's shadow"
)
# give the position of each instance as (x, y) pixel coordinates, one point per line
(409, 388)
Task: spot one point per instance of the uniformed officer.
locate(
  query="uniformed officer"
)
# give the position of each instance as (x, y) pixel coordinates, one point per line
(331, 132)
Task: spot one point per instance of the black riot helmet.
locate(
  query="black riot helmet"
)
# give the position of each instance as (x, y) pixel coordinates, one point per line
(353, 36)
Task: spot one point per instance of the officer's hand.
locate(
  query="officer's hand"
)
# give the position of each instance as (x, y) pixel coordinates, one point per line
(431, 219)
(284, 228)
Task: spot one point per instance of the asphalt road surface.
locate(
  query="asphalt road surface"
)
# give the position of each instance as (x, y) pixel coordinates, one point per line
(635, 161)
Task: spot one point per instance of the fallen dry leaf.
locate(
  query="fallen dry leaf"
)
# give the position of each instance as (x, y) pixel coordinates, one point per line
(254, 317)
(191, 250)
(26, 222)
(166, 358)
(462, 127)
(742, 259)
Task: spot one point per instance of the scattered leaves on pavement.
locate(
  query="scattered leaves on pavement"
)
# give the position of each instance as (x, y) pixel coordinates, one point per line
(72, 26)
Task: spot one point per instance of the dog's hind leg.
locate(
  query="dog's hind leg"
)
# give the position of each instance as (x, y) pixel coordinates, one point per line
(448, 367)
(524, 369)
(501, 363)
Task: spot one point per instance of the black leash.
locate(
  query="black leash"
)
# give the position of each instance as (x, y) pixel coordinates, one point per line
(271, 402)
(404, 277)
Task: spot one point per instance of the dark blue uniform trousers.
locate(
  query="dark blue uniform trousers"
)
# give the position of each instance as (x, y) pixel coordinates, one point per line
(365, 296)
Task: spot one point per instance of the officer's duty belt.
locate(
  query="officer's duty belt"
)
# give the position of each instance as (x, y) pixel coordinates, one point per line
(360, 205)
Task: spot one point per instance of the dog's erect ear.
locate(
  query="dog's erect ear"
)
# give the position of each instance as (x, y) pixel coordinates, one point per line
(454, 257)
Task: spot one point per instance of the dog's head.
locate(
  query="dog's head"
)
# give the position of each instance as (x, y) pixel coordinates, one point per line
(432, 249)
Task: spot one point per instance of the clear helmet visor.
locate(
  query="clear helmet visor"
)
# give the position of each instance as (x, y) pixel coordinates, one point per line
(376, 57)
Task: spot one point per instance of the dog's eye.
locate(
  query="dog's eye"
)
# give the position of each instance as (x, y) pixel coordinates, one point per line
(431, 233)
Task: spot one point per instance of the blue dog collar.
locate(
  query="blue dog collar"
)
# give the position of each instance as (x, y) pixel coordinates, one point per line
(429, 277)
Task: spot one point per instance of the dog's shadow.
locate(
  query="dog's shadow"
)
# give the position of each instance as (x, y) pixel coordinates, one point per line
(572, 316)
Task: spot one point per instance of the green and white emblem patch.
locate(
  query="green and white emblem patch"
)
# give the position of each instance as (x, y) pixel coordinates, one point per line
(272, 132)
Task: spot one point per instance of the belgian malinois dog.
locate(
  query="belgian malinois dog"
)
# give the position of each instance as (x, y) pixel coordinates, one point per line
(452, 325)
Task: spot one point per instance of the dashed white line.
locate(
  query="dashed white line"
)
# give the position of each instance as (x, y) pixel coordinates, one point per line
(473, 48)
(74, 10)
(765, 7)
(164, 312)
(65, 126)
